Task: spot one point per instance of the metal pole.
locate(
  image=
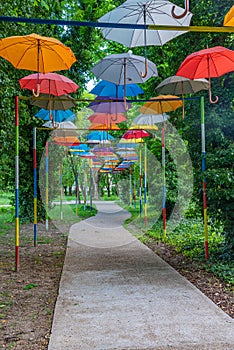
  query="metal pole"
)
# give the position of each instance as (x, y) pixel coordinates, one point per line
(47, 185)
(140, 187)
(145, 186)
(204, 178)
(164, 211)
(16, 183)
(35, 186)
(61, 191)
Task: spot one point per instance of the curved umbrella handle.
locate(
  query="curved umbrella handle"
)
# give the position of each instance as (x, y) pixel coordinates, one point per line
(210, 94)
(125, 103)
(210, 98)
(146, 69)
(36, 94)
(186, 5)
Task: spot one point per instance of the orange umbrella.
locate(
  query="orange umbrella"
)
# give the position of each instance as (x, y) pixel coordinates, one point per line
(229, 18)
(36, 53)
(161, 104)
(96, 126)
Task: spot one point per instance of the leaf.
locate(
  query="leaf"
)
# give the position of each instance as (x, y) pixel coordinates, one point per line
(30, 286)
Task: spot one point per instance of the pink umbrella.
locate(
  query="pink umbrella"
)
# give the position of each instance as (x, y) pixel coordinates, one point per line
(135, 134)
(106, 118)
(48, 83)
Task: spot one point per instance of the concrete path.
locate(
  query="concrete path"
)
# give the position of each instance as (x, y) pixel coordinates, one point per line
(116, 294)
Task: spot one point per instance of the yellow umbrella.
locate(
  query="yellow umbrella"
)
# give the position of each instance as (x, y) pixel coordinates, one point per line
(161, 104)
(143, 127)
(229, 18)
(95, 126)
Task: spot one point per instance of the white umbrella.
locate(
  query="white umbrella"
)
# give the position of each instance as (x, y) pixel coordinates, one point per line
(62, 125)
(150, 119)
(122, 69)
(148, 12)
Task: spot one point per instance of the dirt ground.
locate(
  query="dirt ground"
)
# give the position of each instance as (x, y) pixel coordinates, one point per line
(28, 297)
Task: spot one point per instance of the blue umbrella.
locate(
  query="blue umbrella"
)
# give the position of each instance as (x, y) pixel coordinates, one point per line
(106, 88)
(99, 136)
(80, 148)
(57, 115)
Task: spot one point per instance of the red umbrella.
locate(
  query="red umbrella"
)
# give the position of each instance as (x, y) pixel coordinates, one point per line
(135, 134)
(48, 83)
(208, 63)
(106, 118)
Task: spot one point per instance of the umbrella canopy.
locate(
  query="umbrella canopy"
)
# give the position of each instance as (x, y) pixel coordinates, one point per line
(49, 83)
(177, 85)
(135, 134)
(36, 53)
(81, 148)
(229, 18)
(50, 102)
(161, 104)
(150, 119)
(58, 116)
(99, 136)
(106, 88)
(208, 63)
(122, 69)
(62, 125)
(107, 118)
(148, 12)
(111, 126)
(66, 140)
(105, 104)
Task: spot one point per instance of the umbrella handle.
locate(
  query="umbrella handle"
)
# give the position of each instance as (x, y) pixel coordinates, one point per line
(36, 94)
(125, 103)
(186, 5)
(210, 98)
(210, 95)
(146, 70)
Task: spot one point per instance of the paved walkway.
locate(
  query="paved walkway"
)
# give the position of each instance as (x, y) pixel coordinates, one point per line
(116, 294)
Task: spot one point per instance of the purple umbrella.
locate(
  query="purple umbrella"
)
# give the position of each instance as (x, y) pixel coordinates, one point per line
(110, 105)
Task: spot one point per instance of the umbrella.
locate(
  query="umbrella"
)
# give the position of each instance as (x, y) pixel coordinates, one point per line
(177, 85)
(107, 118)
(36, 53)
(150, 119)
(105, 104)
(122, 69)
(135, 134)
(106, 88)
(62, 125)
(229, 18)
(50, 102)
(147, 12)
(66, 140)
(48, 83)
(99, 136)
(81, 148)
(161, 104)
(57, 115)
(208, 63)
(111, 126)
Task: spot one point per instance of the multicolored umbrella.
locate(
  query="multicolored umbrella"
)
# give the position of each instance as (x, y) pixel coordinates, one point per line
(208, 63)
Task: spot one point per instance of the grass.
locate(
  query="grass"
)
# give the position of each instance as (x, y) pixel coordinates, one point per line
(5, 198)
(6, 218)
(187, 238)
